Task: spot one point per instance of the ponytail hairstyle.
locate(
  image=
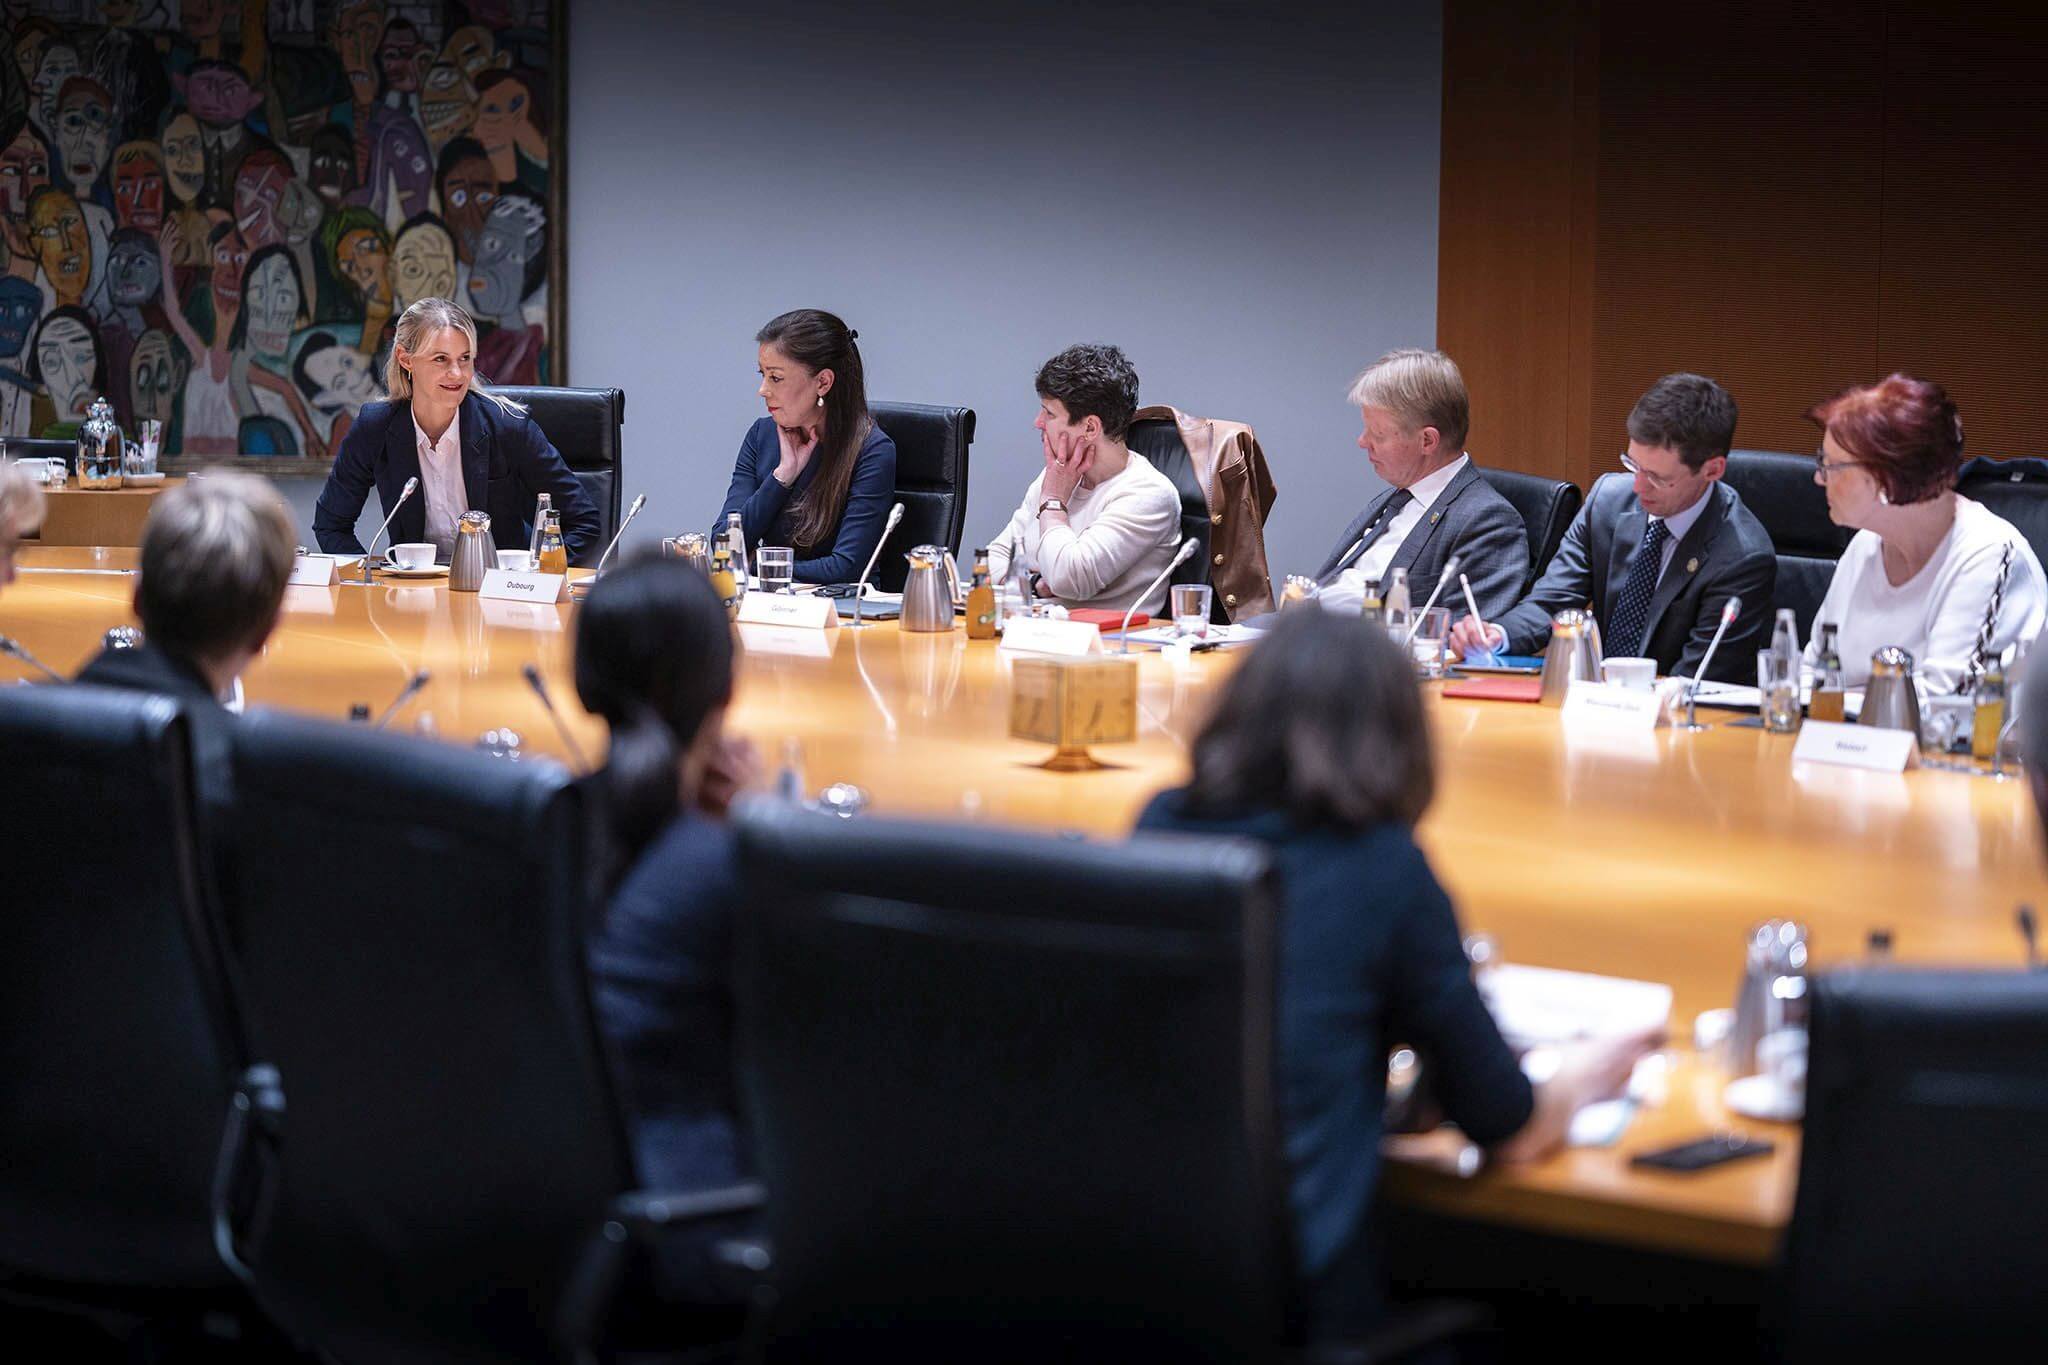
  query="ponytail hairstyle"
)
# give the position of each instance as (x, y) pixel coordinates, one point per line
(818, 341)
(653, 659)
(420, 321)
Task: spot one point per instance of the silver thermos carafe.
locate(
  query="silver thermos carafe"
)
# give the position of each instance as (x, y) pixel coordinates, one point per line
(475, 553)
(930, 590)
(1891, 700)
(1573, 655)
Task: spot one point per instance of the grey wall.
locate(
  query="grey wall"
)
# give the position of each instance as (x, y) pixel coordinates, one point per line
(1244, 197)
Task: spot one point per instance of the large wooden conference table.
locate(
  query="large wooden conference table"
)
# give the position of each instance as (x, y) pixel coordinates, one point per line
(1645, 858)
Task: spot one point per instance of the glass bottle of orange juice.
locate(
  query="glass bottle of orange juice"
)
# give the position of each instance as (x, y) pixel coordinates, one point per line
(554, 555)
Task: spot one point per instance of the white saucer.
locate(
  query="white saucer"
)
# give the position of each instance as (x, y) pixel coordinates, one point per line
(431, 571)
(1760, 1097)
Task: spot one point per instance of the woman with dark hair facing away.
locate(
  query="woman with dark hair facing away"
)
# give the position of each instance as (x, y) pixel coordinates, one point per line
(654, 659)
(1943, 577)
(1318, 748)
(816, 473)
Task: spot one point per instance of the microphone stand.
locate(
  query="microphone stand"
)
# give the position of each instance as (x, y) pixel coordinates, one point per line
(598, 572)
(405, 694)
(1180, 556)
(860, 588)
(1442, 579)
(1728, 614)
(11, 646)
(540, 689)
(411, 487)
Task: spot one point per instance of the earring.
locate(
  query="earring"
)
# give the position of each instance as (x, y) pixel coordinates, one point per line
(1883, 498)
(821, 400)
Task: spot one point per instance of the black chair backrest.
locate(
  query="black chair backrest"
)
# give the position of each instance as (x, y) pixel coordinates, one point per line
(116, 1055)
(1917, 1228)
(409, 927)
(1159, 440)
(931, 481)
(2015, 489)
(1547, 507)
(1011, 1091)
(584, 425)
(1779, 490)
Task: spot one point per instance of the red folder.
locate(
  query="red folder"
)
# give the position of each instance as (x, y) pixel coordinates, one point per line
(1496, 688)
(1103, 619)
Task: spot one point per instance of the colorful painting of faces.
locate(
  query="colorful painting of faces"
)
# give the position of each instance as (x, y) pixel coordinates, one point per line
(212, 212)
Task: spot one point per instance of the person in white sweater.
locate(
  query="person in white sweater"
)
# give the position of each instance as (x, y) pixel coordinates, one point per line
(1942, 577)
(1099, 523)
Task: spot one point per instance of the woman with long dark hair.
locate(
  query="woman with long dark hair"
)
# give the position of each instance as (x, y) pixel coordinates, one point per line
(1319, 748)
(816, 473)
(654, 659)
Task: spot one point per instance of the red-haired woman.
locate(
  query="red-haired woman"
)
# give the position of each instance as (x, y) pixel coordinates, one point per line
(1928, 569)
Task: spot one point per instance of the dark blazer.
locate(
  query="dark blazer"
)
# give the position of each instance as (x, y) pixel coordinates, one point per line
(507, 463)
(764, 504)
(1469, 520)
(1727, 553)
(662, 977)
(1370, 956)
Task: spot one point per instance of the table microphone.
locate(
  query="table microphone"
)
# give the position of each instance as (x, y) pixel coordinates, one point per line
(540, 689)
(405, 694)
(1730, 609)
(411, 486)
(860, 588)
(12, 646)
(1443, 578)
(631, 512)
(1123, 634)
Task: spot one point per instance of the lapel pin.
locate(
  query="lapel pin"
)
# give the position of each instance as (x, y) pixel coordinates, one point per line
(1692, 565)
(1435, 517)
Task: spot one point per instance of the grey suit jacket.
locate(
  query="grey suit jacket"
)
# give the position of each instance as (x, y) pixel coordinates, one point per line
(1727, 553)
(1468, 520)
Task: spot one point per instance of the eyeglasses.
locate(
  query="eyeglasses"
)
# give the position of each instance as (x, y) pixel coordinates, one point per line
(1823, 471)
(1656, 481)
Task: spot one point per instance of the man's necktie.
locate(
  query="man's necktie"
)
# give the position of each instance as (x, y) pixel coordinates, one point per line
(1400, 498)
(1624, 637)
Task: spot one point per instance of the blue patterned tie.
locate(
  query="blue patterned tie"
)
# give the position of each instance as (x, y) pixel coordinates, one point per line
(1632, 605)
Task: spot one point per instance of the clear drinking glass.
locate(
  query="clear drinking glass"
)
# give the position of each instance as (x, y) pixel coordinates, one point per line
(1431, 629)
(1777, 685)
(775, 567)
(1191, 610)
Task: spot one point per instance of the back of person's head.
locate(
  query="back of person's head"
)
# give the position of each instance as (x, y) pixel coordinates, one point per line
(654, 661)
(1422, 389)
(216, 555)
(1323, 721)
(1905, 432)
(1093, 381)
(1688, 413)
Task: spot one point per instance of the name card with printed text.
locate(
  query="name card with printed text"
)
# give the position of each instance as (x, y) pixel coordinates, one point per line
(507, 585)
(1610, 706)
(1039, 635)
(314, 571)
(787, 609)
(1856, 746)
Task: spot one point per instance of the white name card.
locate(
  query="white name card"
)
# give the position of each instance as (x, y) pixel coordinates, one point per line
(786, 609)
(1856, 746)
(506, 585)
(314, 571)
(1610, 706)
(535, 616)
(1038, 635)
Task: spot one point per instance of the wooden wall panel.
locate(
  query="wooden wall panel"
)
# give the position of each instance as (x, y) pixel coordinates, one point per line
(1790, 199)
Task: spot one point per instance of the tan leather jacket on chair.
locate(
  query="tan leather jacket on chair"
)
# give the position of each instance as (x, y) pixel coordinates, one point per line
(1239, 488)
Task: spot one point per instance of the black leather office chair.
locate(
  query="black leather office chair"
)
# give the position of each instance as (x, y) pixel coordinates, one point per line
(117, 1040)
(2015, 489)
(1159, 440)
(931, 481)
(1917, 1232)
(1014, 1095)
(584, 425)
(1779, 490)
(409, 925)
(1547, 507)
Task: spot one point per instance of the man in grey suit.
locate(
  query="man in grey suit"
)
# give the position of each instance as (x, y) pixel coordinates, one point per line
(1657, 551)
(1416, 415)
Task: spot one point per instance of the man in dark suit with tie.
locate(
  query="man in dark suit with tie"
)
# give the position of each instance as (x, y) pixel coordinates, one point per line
(1657, 551)
(1417, 415)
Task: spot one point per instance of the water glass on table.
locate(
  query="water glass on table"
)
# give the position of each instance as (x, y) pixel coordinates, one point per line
(1425, 636)
(1777, 685)
(775, 566)
(1191, 610)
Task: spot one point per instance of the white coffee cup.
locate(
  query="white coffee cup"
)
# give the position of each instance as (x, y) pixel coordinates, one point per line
(413, 555)
(1637, 674)
(1781, 1055)
(42, 470)
(515, 561)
